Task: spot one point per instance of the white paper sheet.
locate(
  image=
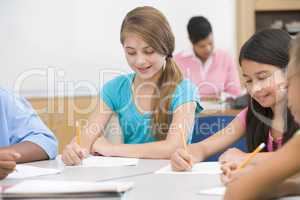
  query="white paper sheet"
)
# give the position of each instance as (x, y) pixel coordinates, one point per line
(101, 161)
(207, 105)
(199, 168)
(27, 171)
(214, 191)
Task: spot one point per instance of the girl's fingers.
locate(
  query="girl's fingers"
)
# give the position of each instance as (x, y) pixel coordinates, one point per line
(224, 169)
(178, 163)
(71, 154)
(185, 155)
(225, 179)
(176, 167)
(75, 157)
(78, 151)
(83, 153)
(67, 160)
(185, 165)
(233, 166)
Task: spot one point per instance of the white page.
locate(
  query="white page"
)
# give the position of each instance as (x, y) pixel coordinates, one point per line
(51, 187)
(101, 161)
(199, 168)
(214, 191)
(27, 171)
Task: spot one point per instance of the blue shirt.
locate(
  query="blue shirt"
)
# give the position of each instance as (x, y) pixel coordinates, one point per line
(19, 123)
(117, 95)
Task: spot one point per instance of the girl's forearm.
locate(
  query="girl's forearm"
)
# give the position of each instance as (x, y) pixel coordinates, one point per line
(260, 157)
(268, 175)
(198, 151)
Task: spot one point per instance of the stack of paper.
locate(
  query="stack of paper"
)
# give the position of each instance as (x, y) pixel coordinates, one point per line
(27, 171)
(199, 168)
(101, 161)
(66, 189)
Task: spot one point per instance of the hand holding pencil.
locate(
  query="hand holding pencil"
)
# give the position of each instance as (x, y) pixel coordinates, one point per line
(232, 170)
(73, 153)
(182, 159)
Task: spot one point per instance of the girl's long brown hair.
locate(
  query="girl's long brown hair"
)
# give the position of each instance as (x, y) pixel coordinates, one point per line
(152, 26)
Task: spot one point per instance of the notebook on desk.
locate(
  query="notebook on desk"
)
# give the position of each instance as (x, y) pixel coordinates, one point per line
(37, 189)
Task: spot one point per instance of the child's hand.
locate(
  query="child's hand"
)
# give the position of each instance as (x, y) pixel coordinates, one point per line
(181, 160)
(230, 172)
(8, 160)
(102, 147)
(73, 154)
(232, 155)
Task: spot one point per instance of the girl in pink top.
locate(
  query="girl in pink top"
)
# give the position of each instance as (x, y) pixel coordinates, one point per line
(212, 70)
(267, 119)
(272, 143)
(276, 177)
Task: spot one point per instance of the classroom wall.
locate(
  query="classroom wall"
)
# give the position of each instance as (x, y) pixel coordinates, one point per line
(71, 47)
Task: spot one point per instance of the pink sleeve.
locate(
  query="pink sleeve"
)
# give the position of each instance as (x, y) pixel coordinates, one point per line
(242, 117)
(232, 84)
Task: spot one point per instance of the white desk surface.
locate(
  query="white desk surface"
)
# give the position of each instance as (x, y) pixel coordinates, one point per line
(147, 185)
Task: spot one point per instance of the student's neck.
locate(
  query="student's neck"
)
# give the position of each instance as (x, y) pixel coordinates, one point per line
(203, 60)
(150, 82)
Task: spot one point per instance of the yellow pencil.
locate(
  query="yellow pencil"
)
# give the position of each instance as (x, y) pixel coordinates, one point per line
(184, 145)
(183, 141)
(78, 133)
(249, 158)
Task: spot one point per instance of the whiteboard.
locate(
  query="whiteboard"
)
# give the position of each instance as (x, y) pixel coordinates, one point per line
(71, 47)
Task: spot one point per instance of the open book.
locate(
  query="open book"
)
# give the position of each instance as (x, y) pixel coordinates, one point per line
(65, 189)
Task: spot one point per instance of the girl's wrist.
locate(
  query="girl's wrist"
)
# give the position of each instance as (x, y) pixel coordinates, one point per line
(115, 150)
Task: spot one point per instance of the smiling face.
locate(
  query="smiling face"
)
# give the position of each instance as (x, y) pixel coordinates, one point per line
(265, 83)
(294, 90)
(142, 58)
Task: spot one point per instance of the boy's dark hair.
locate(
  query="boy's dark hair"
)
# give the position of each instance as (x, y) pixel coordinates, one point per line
(198, 28)
(269, 46)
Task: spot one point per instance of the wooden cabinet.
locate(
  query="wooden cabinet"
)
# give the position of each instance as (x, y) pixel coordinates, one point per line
(247, 11)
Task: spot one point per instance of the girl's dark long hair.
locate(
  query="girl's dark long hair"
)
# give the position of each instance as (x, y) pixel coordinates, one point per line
(269, 46)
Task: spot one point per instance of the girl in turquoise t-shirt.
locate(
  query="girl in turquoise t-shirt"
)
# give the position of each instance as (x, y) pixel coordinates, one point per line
(154, 104)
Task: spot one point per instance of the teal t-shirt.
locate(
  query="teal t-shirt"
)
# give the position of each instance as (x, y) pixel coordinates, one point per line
(117, 95)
